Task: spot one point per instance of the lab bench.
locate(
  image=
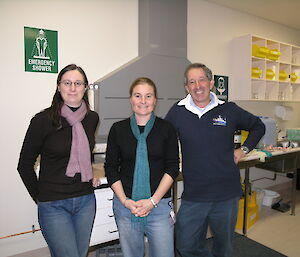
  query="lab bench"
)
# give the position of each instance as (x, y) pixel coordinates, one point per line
(281, 161)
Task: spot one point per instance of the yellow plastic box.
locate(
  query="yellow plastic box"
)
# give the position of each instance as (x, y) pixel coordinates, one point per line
(260, 51)
(270, 74)
(253, 212)
(244, 136)
(283, 75)
(294, 77)
(273, 54)
(256, 72)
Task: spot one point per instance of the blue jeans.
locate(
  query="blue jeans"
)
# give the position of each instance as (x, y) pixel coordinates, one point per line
(192, 223)
(67, 225)
(158, 229)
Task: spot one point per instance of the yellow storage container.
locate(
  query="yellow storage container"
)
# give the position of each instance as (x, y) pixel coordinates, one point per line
(260, 51)
(273, 54)
(283, 75)
(270, 74)
(294, 77)
(244, 136)
(253, 212)
(256, 72)
(251, 200)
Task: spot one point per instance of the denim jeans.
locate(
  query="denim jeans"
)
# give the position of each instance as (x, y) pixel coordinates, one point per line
(67, 225)
(158, 229)
(192, 223)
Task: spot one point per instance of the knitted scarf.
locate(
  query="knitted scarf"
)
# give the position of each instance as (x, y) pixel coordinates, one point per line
(80, 156)
(141, 178)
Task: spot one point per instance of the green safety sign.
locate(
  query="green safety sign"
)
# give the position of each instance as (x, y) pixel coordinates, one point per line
(221, 87)
(41, 51)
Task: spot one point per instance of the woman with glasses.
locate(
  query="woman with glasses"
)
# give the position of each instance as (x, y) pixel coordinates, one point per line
(141, 164)
(63, 136)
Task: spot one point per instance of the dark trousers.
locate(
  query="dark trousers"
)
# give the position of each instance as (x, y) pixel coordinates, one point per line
(192, 223)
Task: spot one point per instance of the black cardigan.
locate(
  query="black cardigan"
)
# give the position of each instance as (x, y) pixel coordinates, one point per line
(54, 146)
(162, 145)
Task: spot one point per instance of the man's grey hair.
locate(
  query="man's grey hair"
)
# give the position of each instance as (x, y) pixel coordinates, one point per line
(197, 65)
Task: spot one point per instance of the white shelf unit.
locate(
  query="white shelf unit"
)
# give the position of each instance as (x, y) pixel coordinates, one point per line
(277, 80)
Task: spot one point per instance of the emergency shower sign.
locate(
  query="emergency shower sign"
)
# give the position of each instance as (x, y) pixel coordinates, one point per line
(221, 87)
(40, 50)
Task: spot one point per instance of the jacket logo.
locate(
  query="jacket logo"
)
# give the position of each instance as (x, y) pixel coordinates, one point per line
(219, 121)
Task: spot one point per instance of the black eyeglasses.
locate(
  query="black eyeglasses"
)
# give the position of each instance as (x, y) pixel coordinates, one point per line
(69, 83)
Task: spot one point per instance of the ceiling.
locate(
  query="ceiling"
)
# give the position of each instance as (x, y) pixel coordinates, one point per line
(285, 12)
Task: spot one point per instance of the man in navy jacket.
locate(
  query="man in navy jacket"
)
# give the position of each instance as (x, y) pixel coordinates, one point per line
(212, 188)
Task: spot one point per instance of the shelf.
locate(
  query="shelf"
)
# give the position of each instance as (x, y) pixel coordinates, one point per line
(257, 79)
(268, 100)
(265, 70)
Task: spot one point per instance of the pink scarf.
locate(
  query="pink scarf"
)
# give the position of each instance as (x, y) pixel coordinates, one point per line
(80, 156)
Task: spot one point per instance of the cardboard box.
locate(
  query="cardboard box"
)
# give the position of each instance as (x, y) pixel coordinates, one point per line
(98, 170)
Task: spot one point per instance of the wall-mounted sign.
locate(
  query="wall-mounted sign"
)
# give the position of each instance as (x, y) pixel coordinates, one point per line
(221, 85)
(40, 50)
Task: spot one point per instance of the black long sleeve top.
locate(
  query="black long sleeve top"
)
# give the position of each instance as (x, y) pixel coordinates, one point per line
(54, 147)
(162, 146)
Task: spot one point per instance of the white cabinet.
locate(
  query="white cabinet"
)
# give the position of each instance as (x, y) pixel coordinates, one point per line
(264, 70)
(105, 228)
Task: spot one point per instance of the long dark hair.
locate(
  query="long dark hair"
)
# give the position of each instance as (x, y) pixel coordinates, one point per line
(57, 101)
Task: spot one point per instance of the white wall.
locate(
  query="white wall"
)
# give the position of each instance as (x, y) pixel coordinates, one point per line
(97, 35)
(211, 28)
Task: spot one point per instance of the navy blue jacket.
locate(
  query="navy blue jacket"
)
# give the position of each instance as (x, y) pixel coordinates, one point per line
(209, 170)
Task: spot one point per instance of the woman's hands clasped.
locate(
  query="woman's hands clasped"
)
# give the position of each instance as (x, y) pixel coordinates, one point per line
(140, 208)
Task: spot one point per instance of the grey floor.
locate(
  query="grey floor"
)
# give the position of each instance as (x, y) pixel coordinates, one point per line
(277, 230)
